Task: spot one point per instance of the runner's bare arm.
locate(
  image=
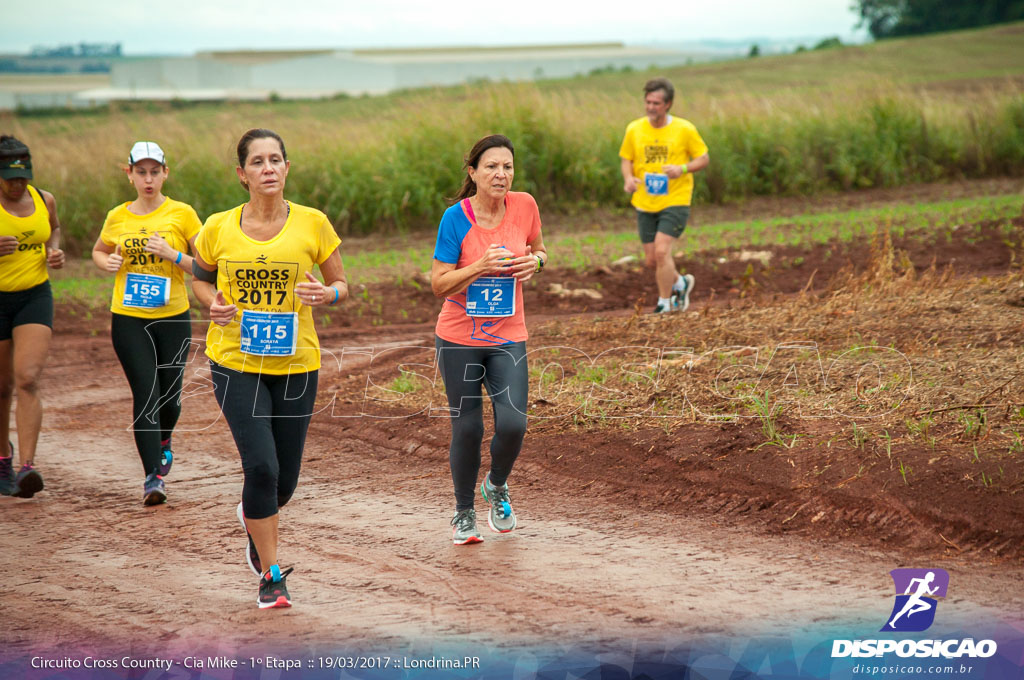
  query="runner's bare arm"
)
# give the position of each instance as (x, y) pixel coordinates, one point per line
(106, 257)
(332, 291)
(54, 254)
(628, 178)
(204, 291)
(695, 165)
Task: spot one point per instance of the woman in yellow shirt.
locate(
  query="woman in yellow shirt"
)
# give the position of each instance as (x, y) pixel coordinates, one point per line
(253, 269)
(145, 244)
(29, 242)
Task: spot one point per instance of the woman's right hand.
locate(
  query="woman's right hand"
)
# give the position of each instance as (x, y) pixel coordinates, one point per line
(494, 260)
(221, 313)
(115, 259)
(8, 245)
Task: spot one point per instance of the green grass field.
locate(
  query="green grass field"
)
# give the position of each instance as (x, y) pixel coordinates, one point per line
(884, 114)
(369, 262)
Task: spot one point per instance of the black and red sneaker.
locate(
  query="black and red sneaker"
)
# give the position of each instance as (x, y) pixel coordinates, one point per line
(273, 592)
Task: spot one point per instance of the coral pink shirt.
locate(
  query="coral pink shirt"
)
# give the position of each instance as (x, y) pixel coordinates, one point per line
(460, 241)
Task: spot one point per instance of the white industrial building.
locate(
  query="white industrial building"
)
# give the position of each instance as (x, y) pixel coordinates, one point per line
(325, 73)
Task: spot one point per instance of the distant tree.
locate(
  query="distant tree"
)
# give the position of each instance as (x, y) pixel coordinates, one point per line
(829, 43)
(755, 51)
(891, 18)
(799, 49)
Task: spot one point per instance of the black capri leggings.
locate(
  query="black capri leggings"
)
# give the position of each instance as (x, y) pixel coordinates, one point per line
(268, 416)
(464, 369)
(152, 353)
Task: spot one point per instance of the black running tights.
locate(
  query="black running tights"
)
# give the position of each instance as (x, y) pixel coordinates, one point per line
(268, 416)
(503, 370)
(152, 353)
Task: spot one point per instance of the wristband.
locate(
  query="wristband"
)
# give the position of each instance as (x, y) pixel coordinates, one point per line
(540, 264)
(178, 261)
(337, 294)
(684, 168)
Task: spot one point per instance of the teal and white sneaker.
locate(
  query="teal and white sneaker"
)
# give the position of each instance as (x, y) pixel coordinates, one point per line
(7, 473)
(681, 296)
(662, 308)
(501, 518)
(166, 460)
(464, 532)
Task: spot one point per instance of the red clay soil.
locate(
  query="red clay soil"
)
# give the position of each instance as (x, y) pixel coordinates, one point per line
(625, 534)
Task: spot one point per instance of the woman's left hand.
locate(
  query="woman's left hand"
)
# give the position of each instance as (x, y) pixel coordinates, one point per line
(54, 257)
(313, 293)
(523, 268)
(159, 247)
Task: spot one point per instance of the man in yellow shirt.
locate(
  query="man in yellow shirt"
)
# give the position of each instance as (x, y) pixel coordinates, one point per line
(659, 155)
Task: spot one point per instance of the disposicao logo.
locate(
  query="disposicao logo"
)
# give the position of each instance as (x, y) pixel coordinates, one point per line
(917, 593)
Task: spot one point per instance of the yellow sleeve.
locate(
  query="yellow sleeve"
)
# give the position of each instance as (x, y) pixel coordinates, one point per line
(108, 234)
(695, 144)
(205, 239)
(627, 149)
(327, 241)
(191, 224)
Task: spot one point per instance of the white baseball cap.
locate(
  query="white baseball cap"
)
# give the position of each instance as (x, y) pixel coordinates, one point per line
(143, 150)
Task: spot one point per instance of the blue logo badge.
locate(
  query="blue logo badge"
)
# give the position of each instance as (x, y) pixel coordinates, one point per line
(917, 591)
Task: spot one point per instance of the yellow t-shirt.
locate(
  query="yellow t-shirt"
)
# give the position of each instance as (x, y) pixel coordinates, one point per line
(650, 148)
(145, 280)
(26, 266)
(259, 277)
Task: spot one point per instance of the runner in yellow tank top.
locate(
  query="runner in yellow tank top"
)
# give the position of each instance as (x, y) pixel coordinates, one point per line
(145, 244)
(29, 242)
(253, 269)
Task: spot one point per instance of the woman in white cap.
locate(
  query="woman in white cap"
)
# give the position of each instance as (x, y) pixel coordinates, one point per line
(29, 242)
(145, 244)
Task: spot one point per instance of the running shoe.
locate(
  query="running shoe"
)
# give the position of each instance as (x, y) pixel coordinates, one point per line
(464, 532)
(662, 309)
(501, 518)
(273, 591)
(7, 474)
(166, 460)
(153, 491)
(28, 482)
(252, 557)
(681, 297)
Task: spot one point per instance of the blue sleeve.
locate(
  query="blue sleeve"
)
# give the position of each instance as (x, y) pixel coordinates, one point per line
(454, 227)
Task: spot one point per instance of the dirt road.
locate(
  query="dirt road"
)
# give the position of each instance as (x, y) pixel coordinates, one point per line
(367, 532)
(614, 552)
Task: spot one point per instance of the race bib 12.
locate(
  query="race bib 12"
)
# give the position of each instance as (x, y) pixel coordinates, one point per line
(491, 296)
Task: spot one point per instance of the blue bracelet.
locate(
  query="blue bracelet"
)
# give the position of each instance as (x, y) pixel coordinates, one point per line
(337, 294)
(180, 254)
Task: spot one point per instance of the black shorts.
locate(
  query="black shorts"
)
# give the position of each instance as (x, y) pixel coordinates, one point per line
(670, 221)
(32, 305)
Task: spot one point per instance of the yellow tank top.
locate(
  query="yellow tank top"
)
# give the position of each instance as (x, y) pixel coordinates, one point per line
(25, 267)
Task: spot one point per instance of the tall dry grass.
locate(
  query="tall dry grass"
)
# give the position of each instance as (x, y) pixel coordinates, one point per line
(802, 124)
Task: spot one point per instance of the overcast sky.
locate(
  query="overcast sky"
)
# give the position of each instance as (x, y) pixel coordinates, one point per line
(185, 26)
